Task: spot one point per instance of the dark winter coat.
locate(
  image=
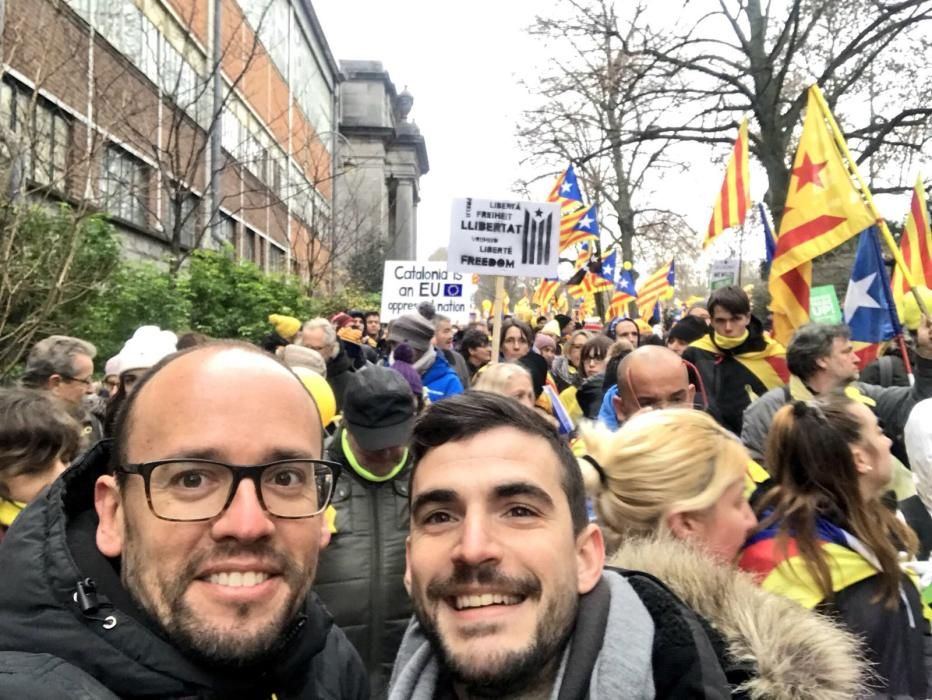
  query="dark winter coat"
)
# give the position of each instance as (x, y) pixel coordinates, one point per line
(360, 577)
(68, 628)
(732, 378)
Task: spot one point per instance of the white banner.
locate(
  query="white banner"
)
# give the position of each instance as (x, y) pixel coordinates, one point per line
(514, 239)
(406, 283)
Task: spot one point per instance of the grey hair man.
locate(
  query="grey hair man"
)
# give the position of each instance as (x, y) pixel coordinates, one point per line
(320, 335)
(64, 366)
(821, 359)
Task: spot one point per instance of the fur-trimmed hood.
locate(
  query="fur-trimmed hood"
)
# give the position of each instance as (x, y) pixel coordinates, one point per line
(797, 654)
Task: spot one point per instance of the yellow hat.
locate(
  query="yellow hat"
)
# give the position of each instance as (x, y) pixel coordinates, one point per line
(911, 315)
(286, 326)
(320, 391)
(350, 334)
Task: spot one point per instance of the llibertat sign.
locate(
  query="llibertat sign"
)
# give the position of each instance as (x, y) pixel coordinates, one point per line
(406, 283)
(496, 237)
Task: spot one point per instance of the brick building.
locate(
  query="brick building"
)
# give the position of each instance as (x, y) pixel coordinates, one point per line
(117, 104)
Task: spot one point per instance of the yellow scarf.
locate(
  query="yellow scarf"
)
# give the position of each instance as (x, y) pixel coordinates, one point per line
(730, 343)
(9, 510)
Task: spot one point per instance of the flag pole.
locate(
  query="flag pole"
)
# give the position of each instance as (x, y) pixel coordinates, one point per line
(497, 317)
(865, 192)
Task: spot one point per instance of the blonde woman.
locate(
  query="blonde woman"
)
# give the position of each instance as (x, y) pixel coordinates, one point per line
(507, 379)
(668, 490)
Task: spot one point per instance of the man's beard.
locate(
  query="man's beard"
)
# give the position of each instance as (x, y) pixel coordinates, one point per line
(508, 672)
(197, 639)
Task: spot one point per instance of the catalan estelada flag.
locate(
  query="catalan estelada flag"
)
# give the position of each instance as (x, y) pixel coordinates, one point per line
(545, 291)
(654, 287)
(608, 268)
(580, 225)
(566, 190)
(823, 209)
(915, 245)
(734, 199)
(777, 565)
(624, 293)
(869, 308)
(584, 254)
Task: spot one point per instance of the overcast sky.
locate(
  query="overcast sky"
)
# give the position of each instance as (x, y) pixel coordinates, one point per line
(462, 63)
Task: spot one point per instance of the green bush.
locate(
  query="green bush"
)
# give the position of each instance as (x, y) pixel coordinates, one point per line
(214, 294)
(53, 260)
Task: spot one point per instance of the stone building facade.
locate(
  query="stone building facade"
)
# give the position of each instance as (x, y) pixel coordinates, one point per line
(384, 156)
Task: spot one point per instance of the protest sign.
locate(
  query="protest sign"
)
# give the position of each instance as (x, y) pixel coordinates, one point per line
(407, 283)
(823, 305)
(513, 239)
(724, 273)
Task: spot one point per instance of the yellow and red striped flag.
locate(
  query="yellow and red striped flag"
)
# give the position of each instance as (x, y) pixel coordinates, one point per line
(823, 209)
(654, 287)
(545, 291)
(916, 247)
(734, 199)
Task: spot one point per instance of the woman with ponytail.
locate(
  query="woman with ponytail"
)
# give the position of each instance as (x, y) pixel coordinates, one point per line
(828, 542)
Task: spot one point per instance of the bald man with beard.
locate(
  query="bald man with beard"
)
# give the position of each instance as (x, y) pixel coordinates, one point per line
(651, 377)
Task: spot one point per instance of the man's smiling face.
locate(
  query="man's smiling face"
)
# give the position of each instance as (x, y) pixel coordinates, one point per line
(493, 564)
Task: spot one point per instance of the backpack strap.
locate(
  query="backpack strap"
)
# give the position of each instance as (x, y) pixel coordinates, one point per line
(787, 396)
(885, 365)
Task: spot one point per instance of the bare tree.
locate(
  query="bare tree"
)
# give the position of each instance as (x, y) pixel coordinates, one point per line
(595, 98)
(739, 57)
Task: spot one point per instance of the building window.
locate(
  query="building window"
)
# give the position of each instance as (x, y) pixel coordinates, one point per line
(186, 205)
(225, 233)
(42, 132)
(249, 244)
(124, 186)
(276, 259)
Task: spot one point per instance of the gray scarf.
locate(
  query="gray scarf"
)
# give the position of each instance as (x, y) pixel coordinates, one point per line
(622, 671)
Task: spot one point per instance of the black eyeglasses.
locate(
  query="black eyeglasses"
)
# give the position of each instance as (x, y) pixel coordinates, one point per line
(87, 381)
(190, 490)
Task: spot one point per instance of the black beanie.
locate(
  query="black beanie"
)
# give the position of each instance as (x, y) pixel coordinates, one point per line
(688, 329)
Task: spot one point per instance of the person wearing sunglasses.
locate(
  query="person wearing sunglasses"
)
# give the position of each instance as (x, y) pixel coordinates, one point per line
(177, 559)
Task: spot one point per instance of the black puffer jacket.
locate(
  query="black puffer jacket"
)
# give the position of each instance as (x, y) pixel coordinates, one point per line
(360, 577)
(66, 620)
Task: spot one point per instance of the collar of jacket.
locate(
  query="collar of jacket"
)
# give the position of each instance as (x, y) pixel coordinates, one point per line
(800, 392)
(794, 653)
(45, 560)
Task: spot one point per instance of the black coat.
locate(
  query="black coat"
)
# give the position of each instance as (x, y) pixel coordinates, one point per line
(66, 620)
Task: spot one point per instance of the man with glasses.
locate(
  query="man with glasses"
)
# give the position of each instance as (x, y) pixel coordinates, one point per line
(177, 560)
(64, 366)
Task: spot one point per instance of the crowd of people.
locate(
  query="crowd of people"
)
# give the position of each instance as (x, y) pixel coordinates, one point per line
(355, 509)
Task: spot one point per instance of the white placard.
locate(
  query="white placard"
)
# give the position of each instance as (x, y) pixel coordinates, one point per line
(495, 237)
(406, 283)
(723, 273)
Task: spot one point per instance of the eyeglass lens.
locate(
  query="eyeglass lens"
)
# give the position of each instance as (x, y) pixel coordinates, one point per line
(200, 490)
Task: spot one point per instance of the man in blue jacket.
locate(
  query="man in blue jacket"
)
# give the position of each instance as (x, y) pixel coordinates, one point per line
(439, 378)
